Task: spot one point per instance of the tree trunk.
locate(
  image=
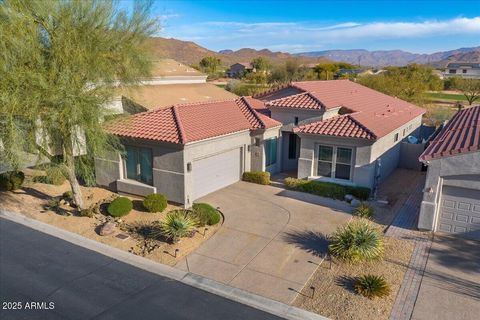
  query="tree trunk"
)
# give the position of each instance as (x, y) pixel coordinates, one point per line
(72, 178)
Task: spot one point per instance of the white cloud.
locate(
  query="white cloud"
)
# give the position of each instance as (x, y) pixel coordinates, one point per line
(296, 37)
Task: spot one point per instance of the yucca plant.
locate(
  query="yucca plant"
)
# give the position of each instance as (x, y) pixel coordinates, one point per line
(357, 241)
(364, 210)
(177, 224)
(371, 286)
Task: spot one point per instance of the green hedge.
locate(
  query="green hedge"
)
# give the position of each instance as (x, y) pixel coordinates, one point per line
(120, 207)
(259, 177)
(327, 189)
(11, 180)
(205, 214)
(155, 202)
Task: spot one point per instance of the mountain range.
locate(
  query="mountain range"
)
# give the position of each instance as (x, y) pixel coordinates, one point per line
(383, 58)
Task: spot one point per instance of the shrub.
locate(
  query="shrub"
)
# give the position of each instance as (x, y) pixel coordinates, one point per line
(259, 177)
(120, 207)
(11, 180)
(205, 214)
(327, 189)
(68, 195)
(357, 241)
(55, 176)
(364, 211)
(372, 286)
(177, 224)
(89, 212)
(155, 202)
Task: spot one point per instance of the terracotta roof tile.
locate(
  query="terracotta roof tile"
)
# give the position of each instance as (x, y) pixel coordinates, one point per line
(340, 126)
(192, 122)
(460, 135)
(305, 100)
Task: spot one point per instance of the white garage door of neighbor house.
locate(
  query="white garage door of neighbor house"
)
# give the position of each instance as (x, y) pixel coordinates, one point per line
(460, 212)
(215, 172)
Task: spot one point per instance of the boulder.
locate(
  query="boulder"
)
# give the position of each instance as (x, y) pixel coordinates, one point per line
(355, 203)
(107, 229)
(349, 197)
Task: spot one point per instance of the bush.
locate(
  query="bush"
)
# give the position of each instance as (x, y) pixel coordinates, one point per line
(327, 189)
(205, 214)
(11, 180)
(259, 177)
(89, 212)
(371, 286)
(177, 224)
(364, 211)
(67, 195)
(155, 202)
(357, 241)
(55, 176)
(120, 207)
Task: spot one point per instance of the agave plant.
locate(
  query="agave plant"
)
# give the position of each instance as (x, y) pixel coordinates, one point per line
(372, 286)
(177, 224)
(358, 241)
(364, 211)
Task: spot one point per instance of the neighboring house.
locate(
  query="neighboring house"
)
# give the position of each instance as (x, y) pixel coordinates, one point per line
(340, 131)
(238, 70)
(336, 131)
(451, 199)
(468, 70)
(187, 151)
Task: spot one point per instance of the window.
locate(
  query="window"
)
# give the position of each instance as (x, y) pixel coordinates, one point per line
(270, 151)
(464, 71)
(296, 121)
(452, 71)
(292, 146)
(395, 137)
(139, 164)
(334, 162)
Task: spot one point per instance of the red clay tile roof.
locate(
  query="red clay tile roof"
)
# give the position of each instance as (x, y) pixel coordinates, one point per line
(305, 100)
(460, 135)
(340, 126)
(185, 123)
(378, 112)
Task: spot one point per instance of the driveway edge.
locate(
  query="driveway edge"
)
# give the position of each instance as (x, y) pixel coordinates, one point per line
(188, 278)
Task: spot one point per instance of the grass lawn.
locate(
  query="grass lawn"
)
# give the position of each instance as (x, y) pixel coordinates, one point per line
(446, 96)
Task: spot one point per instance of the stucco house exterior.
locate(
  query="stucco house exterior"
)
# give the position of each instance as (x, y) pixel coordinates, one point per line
(451, 199)
(239, 69)
(467, 70)
(336, 131)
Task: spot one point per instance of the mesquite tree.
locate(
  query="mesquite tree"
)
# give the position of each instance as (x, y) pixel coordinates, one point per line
(59, 63)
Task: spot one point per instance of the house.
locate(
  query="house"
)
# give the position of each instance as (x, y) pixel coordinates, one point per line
(451, 198)
(467, 70)
(187, 151)
(336, 131)
(238, 70)
(340, 131)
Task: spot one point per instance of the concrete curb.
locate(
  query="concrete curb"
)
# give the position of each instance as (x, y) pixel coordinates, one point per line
(188, 278)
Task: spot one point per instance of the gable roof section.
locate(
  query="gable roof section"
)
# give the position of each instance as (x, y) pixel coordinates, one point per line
(460, 135)
(305, 100)
(340, 126)
(186, 123)
(377, 112)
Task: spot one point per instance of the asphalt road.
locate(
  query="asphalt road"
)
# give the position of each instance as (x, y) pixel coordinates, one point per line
(70, 282)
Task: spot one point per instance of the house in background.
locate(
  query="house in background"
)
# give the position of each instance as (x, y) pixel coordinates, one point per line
(451, 199)
(336, 131)
(467, 70)
(238, 70)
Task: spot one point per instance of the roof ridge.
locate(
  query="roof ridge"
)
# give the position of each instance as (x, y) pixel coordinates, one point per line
(316, 99)
(288, 97)
(250, 108)
(271, 90)
(181, 130)
(349, 115)
(186, 104)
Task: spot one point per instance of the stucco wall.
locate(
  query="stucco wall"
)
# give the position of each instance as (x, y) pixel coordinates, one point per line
(287, 116)
(409, 154)
(461, 170)
(289, 164)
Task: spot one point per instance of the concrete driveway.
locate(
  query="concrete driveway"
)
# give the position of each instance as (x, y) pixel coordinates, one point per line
(450, 287)
(272, 239)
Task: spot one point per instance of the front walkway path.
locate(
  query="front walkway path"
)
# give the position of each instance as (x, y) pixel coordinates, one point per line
(271, 242)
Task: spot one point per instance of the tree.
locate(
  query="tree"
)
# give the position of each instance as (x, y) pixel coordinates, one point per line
(210, 64)
(261, 64)
(59, 62)
(470, 89)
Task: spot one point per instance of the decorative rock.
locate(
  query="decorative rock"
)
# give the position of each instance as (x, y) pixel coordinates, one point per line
(349, 197)
(107, 229)
(355, 203)
(62, 202)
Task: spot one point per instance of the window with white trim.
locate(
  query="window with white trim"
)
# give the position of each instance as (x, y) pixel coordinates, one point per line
(334, 162)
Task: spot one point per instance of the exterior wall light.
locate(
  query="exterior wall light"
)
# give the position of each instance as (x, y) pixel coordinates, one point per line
(189, 166)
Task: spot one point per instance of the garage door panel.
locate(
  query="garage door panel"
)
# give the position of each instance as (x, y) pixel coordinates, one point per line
(216, 172)
(459, 212)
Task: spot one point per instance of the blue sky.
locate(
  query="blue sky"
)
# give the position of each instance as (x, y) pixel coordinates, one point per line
(297, 26)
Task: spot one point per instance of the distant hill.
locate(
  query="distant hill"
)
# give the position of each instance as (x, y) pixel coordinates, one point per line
(471, 56)
(383, 58)
(191, 53)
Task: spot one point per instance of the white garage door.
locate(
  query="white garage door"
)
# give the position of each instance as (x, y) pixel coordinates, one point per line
(460, 212)
(215, 172)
